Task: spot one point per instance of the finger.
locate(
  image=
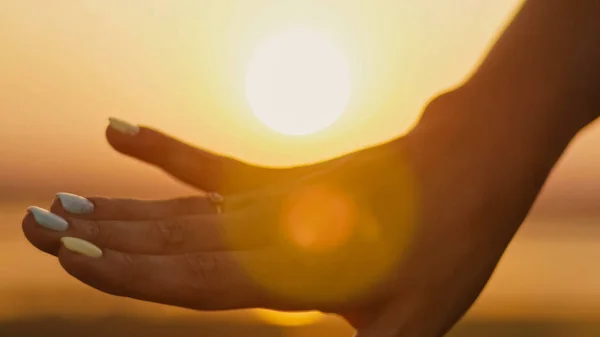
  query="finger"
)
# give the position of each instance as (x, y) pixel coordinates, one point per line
(168, 236)
(203, 281)
(100, 208)
(43, 238)
(186, 234)
(46, 239)
(197, 167)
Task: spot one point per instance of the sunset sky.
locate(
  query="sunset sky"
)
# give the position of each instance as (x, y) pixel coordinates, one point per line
(180, 66)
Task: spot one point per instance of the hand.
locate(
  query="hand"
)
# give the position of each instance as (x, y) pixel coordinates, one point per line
(399, 238)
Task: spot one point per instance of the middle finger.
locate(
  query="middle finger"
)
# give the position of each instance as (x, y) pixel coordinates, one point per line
(99, 208)
(180, 234)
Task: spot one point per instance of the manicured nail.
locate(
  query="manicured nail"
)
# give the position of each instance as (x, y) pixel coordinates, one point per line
(123, 126)
(48, 220)
(81, 247)
(75, 204)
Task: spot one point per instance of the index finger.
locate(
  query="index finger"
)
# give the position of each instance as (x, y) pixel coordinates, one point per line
(189, 164)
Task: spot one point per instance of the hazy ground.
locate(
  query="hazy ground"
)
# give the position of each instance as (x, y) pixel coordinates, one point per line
(127, 327)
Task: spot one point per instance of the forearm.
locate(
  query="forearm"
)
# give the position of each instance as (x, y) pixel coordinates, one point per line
(547, 59)
(508, 125)
(538, 87)
(541, 75)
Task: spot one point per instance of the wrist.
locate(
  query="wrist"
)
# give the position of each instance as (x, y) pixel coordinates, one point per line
(505, 149)
(548, 115)
(474, 112)
(548, 60)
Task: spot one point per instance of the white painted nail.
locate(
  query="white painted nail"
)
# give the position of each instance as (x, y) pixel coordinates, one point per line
(123, 126)
(75, 204)
(48, 220)
(81, 247)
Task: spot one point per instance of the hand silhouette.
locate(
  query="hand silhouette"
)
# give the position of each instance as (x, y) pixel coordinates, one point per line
(399, 239)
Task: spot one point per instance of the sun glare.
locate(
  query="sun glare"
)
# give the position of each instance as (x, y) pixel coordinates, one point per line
(298, 83)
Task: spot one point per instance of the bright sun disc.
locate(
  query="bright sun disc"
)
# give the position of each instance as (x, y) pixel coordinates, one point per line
(298, 83)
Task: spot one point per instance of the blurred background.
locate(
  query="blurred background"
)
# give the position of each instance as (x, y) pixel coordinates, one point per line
(180, 66)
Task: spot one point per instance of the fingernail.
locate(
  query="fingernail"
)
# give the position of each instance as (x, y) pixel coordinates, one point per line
(75, 204)
(81, 247)
(48, 220)
(123, 126)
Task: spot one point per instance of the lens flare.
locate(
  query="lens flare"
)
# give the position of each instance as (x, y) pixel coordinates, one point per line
(338, 238)
(318, 218)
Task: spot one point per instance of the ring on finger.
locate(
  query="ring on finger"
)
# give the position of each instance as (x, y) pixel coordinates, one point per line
(217, 200)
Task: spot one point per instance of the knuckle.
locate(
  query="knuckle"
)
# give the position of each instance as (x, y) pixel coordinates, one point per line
(129, 279)
(90, 229)
(97, 232)
(203, 267)
(172, 232)
(130, 266)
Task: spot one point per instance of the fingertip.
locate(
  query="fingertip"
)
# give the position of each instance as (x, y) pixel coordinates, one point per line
(79, 266)
(74, 204)
(81, 247)
(120, 140)
(123, 127)
(143, 145)
(70, 260)
(28, 225)
(77, 261)
(39, 237)
(57, 207)
(27, 221)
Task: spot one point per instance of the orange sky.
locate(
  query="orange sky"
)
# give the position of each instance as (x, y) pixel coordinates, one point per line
(180, 66)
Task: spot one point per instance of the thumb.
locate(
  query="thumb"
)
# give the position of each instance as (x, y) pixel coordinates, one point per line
(200, 168)
(197, 167)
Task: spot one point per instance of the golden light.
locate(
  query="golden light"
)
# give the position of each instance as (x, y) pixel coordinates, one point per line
(333, 243)
(319, 218)
(288, 318)
(298, 82)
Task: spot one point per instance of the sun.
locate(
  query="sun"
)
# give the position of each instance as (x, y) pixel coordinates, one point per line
(298, 82)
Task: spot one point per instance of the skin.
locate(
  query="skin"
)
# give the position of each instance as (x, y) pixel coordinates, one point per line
(430, 213)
